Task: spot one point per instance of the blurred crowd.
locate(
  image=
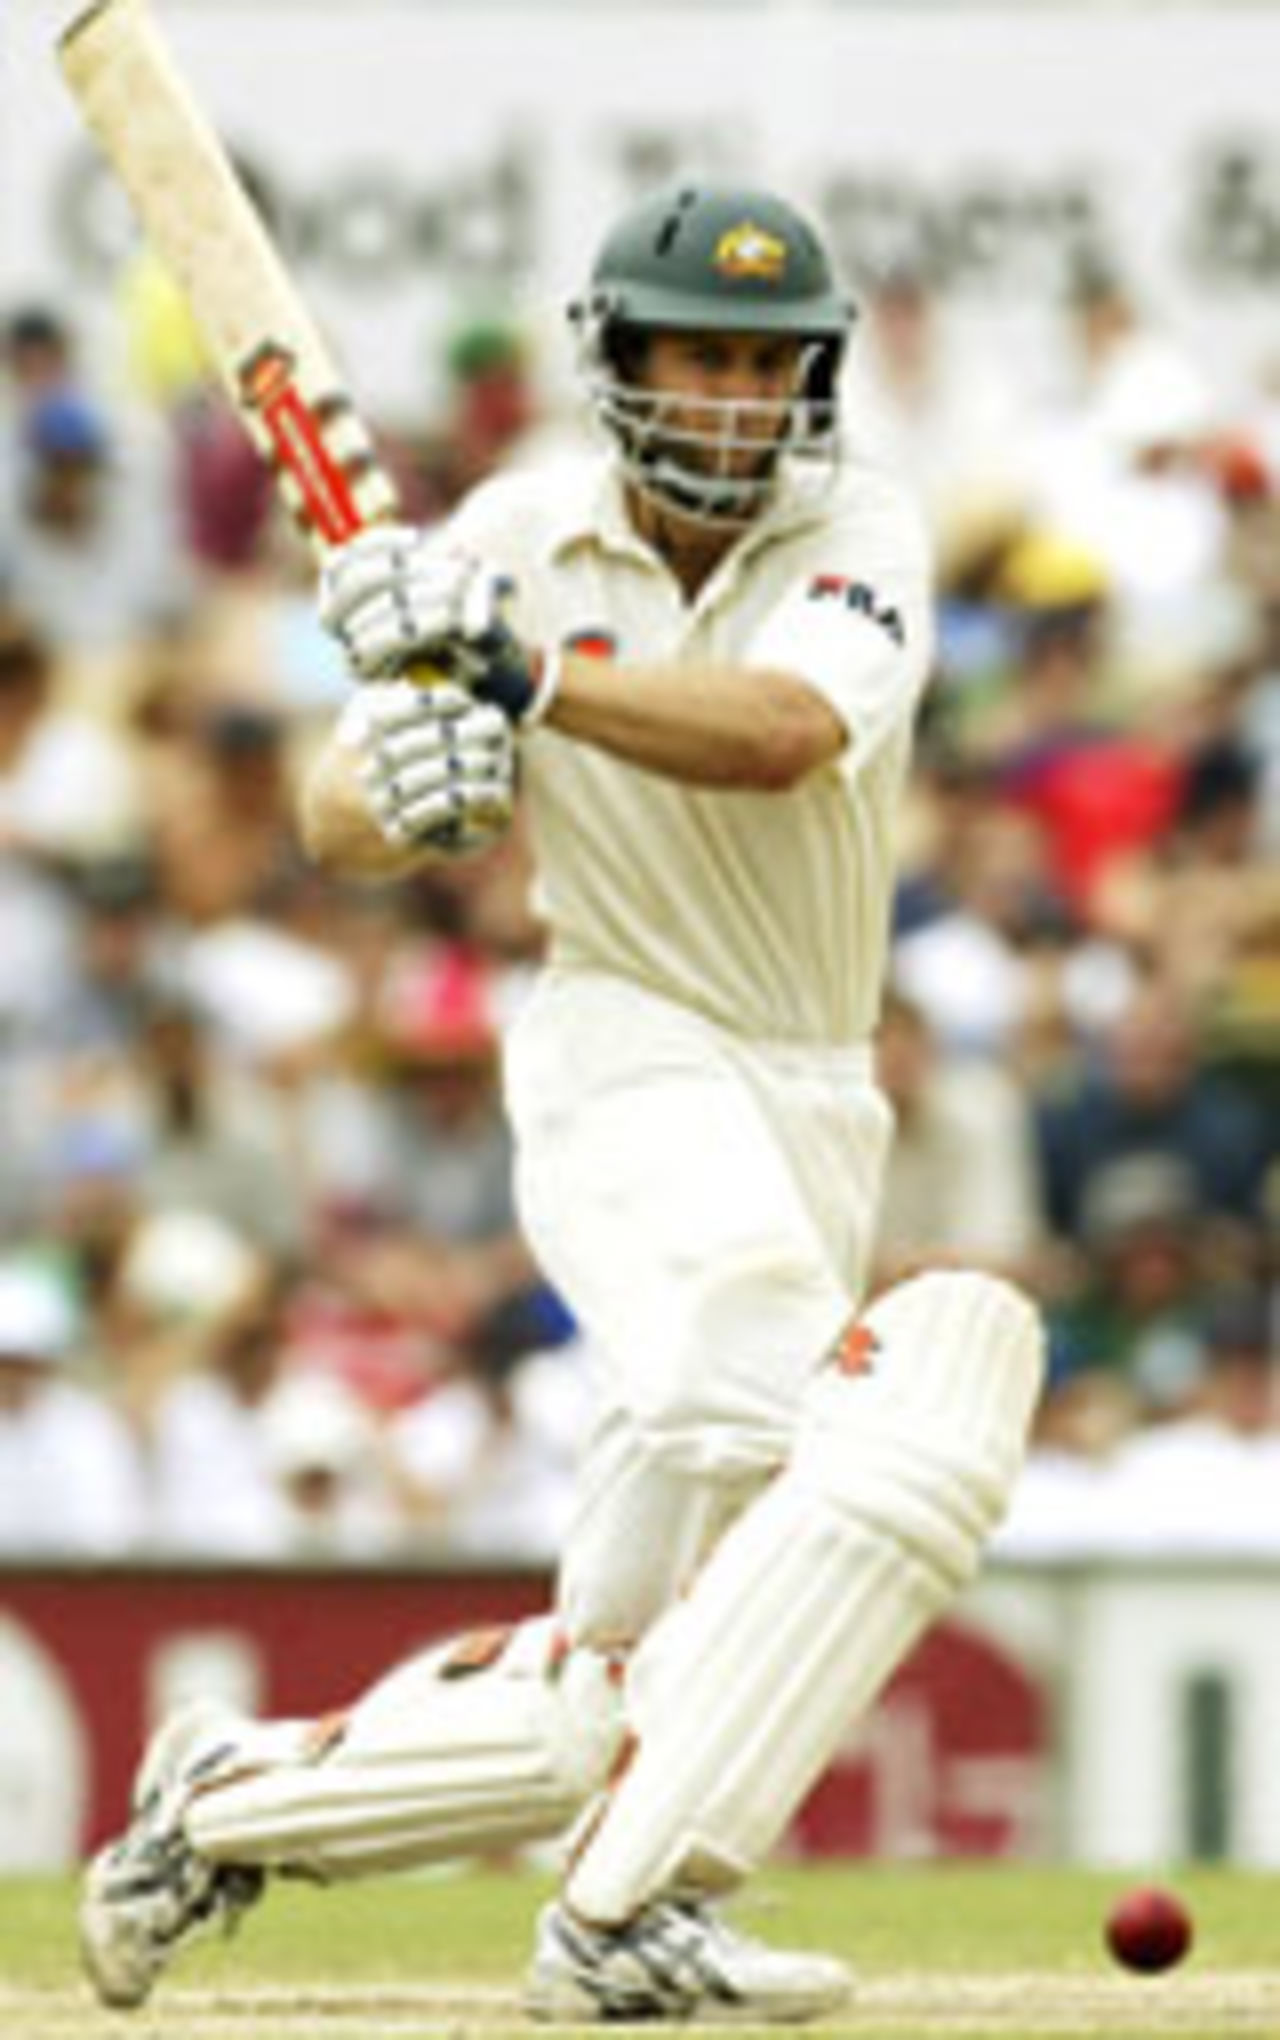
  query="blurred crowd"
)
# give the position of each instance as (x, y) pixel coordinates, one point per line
(263, 1293)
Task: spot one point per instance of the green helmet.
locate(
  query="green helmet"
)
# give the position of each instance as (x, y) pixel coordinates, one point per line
(728, 259)
(721, 259)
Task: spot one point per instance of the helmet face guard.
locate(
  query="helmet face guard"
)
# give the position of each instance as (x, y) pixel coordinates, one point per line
(724, 468)
(727, 262)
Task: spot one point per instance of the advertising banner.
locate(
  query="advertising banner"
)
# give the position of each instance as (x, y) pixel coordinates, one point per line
(426, 165)
(952, 1762)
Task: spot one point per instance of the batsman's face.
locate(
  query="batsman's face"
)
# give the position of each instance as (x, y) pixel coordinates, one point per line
(724, 400)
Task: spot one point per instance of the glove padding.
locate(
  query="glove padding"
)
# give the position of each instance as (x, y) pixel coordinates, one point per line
(437, 767)
(396, 597)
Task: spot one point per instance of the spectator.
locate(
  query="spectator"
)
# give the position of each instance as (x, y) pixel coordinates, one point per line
(37, 977)
(224, 488)
(123, 953)
(37, 360)
(1143, 1281)
(1205, 1477)
(936, 1204)
(1125, 467)
(70, 1483)
(491, 408)
(324, 1450)
(969, 967)
(68, 785)
(270, 995)
(1056, 1511)
(214, 1486)
(223, 839)
(212, 1142)
(1208, 1479)
(91, 555)
(487, 1457)
(37, 352)
(1146, 1092)
(1113, 345)
(942, 413)
(1202, 900)
(1057, 747)
(446, 1248)
(174, 1274)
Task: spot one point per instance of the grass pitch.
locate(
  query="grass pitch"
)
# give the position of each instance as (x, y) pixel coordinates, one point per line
(942, 1953)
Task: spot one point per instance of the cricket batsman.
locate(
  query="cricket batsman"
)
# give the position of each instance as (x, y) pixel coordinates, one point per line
(703, 648)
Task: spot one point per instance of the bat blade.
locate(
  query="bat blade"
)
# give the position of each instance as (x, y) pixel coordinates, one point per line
(201, 223)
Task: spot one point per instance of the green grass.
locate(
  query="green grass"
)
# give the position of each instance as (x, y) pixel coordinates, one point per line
(902, 1928)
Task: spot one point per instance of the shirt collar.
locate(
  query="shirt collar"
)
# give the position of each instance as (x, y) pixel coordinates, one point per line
(593, 512)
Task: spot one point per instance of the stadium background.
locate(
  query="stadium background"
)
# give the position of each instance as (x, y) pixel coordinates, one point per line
(235, 1101)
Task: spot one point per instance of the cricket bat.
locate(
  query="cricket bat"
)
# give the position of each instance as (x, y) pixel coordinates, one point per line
(200, 221)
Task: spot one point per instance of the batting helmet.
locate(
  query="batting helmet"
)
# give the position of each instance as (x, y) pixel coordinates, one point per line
(719, 259)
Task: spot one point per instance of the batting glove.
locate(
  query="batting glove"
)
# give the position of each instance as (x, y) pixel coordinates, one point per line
(396, 597)
(494, 666)
(438, 768)
(395, 593)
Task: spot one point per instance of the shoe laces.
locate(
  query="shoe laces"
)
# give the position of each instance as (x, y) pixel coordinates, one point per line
(679, 1946)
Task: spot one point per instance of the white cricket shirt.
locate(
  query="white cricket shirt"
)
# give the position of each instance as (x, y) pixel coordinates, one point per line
(768, 913)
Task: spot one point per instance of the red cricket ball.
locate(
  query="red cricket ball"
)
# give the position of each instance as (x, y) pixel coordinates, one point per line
(1148, 1929)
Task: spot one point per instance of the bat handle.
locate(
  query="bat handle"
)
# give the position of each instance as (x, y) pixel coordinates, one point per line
(423, 674)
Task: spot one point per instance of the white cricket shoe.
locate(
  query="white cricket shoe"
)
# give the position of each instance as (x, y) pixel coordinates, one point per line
(147, 1893)
(677, 1961)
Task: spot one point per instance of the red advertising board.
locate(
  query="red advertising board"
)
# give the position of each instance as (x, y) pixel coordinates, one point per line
(952, 1760)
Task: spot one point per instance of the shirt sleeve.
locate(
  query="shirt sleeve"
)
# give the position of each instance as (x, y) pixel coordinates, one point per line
(858, 627)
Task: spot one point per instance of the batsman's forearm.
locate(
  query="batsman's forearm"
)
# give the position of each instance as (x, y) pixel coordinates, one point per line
(710, 725)
(338, 833)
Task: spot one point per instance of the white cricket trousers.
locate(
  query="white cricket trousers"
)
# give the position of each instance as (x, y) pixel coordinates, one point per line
(706, 1205)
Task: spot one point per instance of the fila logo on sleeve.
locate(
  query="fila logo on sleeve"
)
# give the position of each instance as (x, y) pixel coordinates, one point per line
(861, 598)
